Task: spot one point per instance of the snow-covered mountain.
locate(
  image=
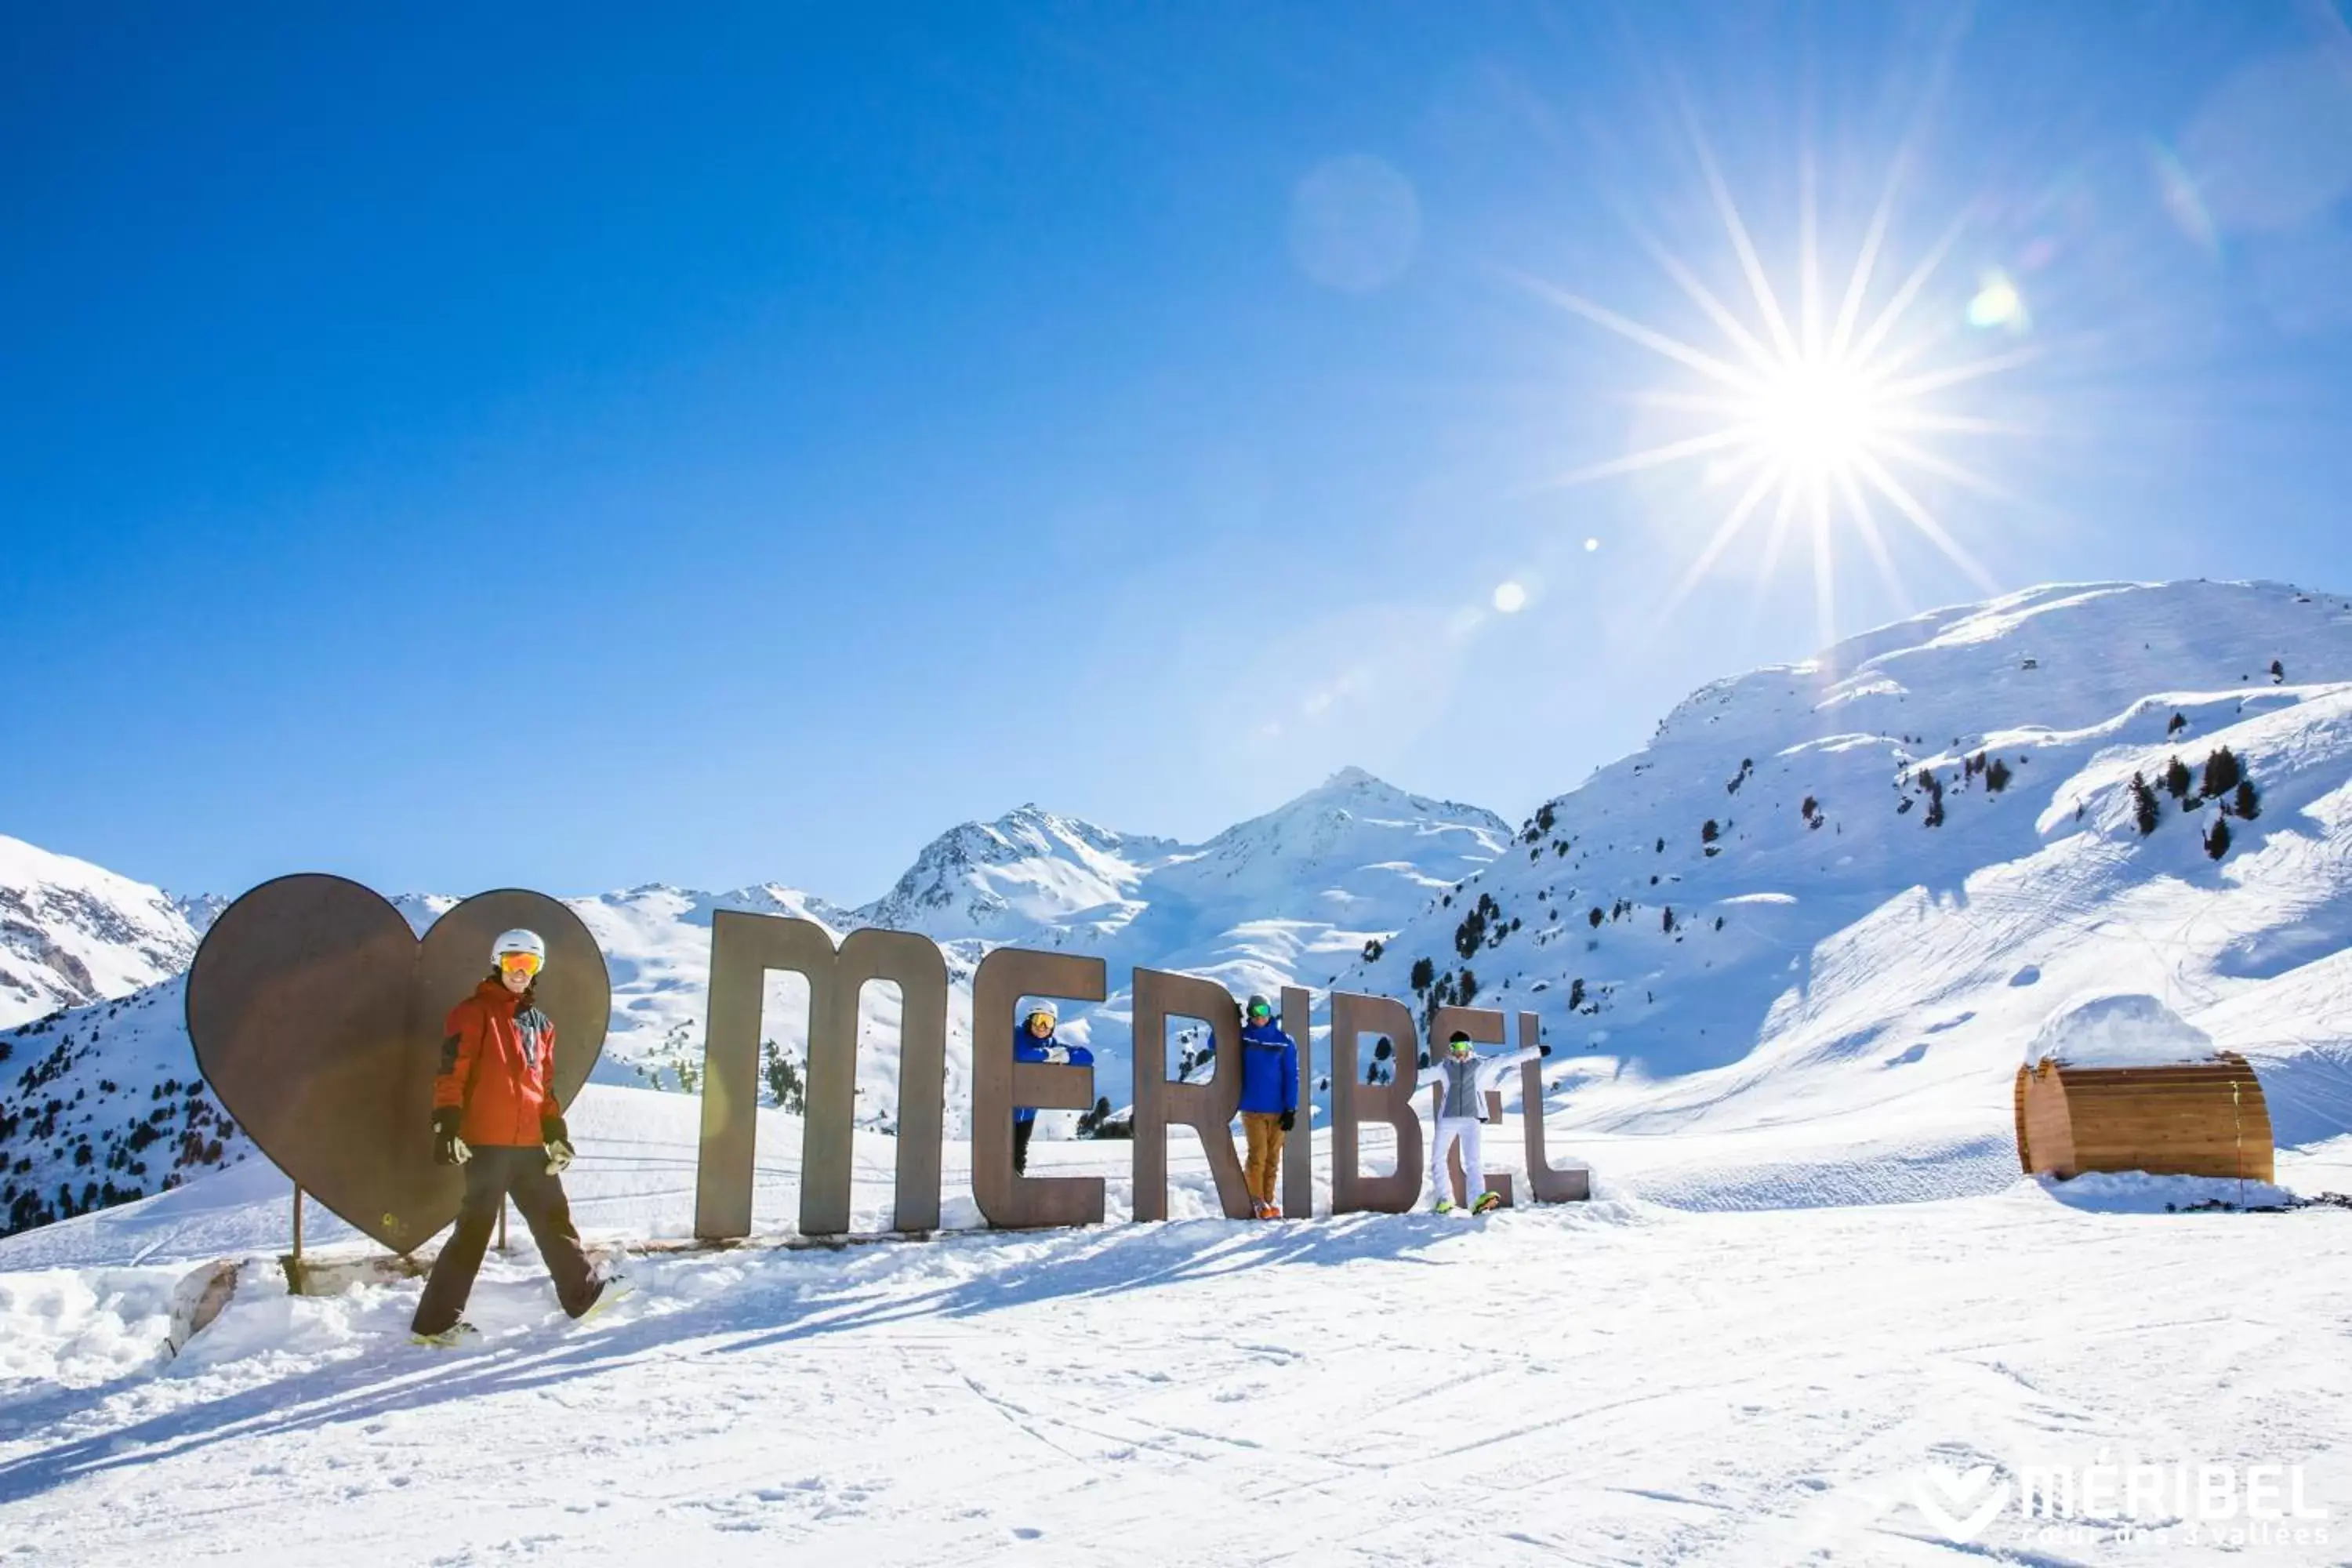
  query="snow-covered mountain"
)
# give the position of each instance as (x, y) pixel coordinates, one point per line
(1828, 904)
(1820, 913)
(73, 933)
(1000, 881)
(200, 909)
(100, 1098)
(103, 1105)
(1291, 894)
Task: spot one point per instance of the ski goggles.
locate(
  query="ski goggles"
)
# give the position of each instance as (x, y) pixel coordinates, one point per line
(520, 963)
(1259, 1012)
(1459, 1047)
(1041, 1016)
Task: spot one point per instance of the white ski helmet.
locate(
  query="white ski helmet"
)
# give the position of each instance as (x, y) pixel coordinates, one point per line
(518, 941)
(1043, 1008)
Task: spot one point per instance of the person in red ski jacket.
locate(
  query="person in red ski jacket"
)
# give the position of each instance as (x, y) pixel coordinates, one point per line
(495, 1113)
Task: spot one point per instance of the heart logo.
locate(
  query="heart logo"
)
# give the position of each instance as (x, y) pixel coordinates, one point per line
(1943, 1499)
(316, 1018)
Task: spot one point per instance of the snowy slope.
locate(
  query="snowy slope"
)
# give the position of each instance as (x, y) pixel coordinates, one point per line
(1625, 1382)
(71, 933)
(1822, 933)
(103, 1105)
(1772, 925)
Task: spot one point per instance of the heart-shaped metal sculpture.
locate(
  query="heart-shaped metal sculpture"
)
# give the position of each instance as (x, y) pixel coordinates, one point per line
(316, 1017)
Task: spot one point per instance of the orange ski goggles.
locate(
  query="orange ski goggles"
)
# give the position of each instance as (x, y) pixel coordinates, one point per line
(519, 962)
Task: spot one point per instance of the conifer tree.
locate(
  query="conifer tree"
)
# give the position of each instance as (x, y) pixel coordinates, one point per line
(2144, 809)
(2222, 774)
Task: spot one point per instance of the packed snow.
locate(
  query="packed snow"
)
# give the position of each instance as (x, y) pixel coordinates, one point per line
(1623, 1381)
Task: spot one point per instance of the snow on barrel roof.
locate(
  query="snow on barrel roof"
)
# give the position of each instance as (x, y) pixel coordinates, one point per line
(2129, 1029)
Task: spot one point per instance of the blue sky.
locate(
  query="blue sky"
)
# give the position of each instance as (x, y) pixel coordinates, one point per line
(587, 448)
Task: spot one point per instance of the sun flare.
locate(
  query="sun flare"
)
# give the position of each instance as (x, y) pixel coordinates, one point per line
(1829, 417)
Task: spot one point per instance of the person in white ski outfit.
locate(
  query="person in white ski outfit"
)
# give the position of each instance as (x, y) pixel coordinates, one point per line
(1462, 1079)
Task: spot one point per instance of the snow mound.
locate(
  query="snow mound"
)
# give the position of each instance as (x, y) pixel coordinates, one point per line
(2127, 1030)
(2139, 1192)
(78, 1328)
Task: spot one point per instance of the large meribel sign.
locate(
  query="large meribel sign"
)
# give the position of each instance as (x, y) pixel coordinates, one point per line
(315, 1019)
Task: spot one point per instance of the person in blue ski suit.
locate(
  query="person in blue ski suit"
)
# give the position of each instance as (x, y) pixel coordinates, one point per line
(1033, 1041)
(1269, 1101)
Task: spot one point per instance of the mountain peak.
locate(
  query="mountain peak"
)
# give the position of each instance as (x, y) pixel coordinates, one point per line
(73, 933)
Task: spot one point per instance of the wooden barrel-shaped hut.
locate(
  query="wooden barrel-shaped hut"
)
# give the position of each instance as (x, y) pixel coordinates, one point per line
(2182, 1119)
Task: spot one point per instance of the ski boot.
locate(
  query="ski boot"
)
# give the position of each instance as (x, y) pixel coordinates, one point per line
(609, 1289)
(1487, 1203)
(449, 1339)
(1445, 1205)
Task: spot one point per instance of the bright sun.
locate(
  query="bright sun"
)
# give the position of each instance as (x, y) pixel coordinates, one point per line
(1826, 415)
(1816, 419)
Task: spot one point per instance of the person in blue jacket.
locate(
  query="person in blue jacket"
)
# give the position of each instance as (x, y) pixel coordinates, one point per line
(1269, 1101)
(1034, 1042)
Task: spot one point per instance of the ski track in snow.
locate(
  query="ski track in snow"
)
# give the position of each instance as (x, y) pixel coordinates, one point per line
(1630, 1386)
(1627, 1382)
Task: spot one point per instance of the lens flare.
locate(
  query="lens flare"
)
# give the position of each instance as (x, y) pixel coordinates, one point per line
(1998, 304)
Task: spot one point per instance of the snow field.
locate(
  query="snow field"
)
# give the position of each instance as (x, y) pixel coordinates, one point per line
(1756, 1377)
(1610, 1383)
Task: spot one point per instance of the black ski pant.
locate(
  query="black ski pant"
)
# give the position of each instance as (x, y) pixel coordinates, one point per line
(494, 1173)
(1021, 1130)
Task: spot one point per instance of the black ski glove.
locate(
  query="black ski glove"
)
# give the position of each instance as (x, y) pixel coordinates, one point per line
(1289, 1120)
(1544, 1048)
(558, 1139)
(449, 1149)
